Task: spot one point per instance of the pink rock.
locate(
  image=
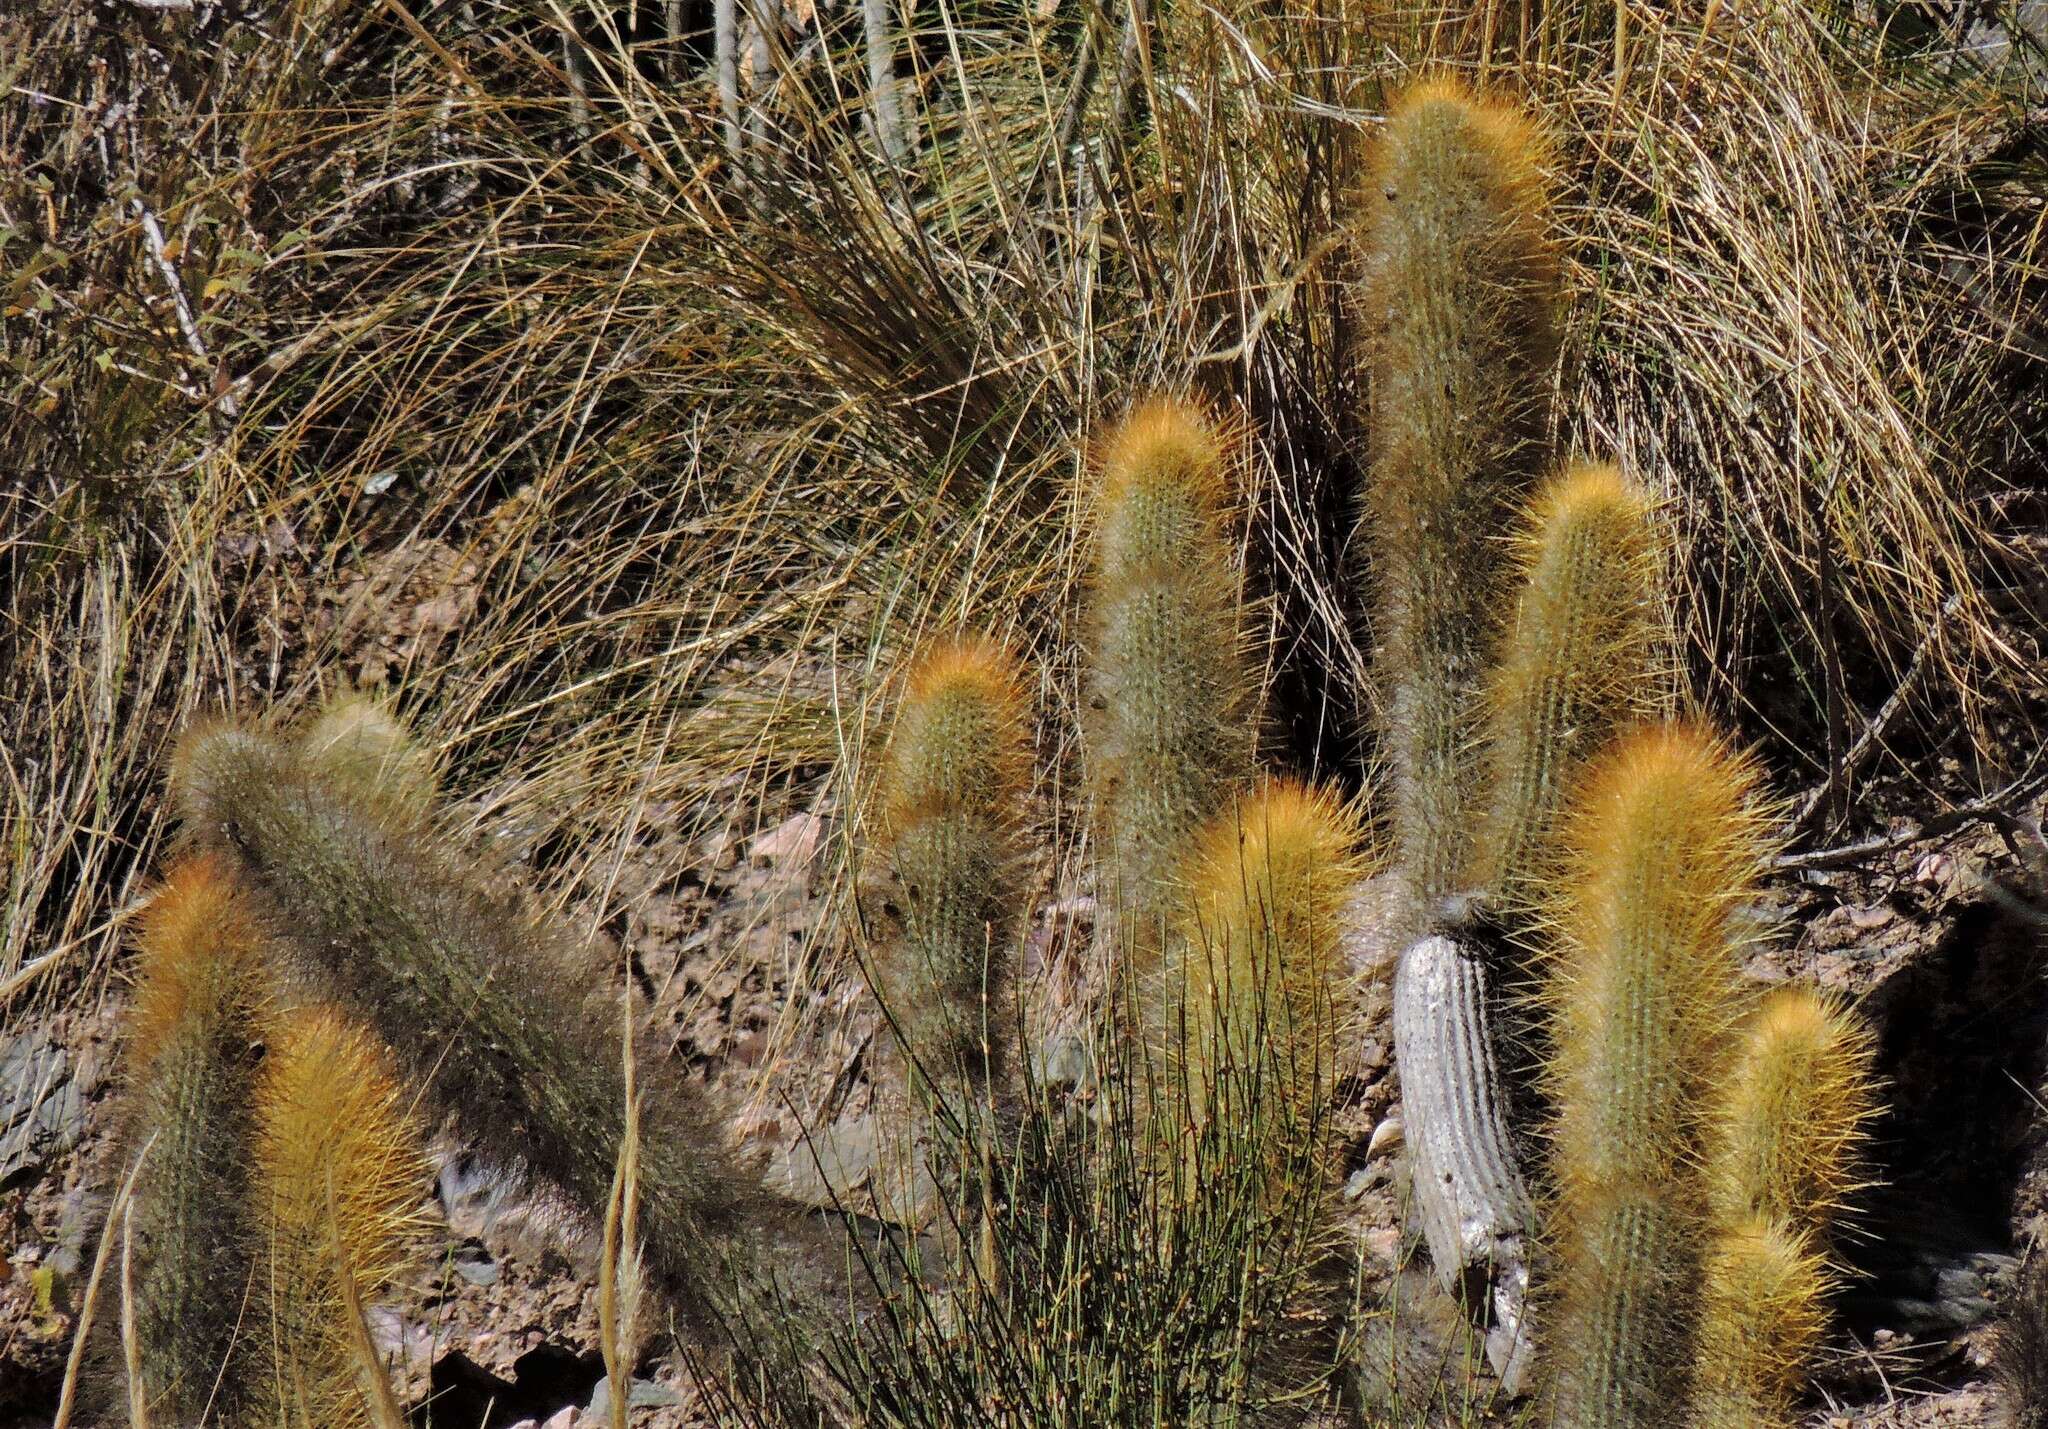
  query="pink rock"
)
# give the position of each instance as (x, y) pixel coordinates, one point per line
(791, 844)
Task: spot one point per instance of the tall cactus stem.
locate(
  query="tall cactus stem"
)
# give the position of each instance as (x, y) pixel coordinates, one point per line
(1171, 731)
(192, 1051)
(1644, 993)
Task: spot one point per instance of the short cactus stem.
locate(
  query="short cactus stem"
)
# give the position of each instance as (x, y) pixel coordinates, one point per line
(1792, 1116)
(1242, 1027)
(338, 1175)
(1761, 1319)
(955, 778)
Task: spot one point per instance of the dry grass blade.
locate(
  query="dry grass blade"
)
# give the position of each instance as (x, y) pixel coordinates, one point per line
(68, 1396)
(618, 1271)
(384, 1409)
(131, 1344)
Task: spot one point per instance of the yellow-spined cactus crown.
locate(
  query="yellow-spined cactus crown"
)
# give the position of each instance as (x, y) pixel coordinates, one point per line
(1792, 1114)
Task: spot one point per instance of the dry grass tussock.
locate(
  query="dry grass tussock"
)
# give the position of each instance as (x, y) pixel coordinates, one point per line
(709, 411)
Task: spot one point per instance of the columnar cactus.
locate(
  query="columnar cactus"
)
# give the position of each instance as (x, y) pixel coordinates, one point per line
(1792, 1115)
(1461, 304)
(192, 1053)
(955, 778)
(500, 1015)
(1644, 994)
(1242, 1022)
(1172, 733)
(1581, 661)
(337, 1177)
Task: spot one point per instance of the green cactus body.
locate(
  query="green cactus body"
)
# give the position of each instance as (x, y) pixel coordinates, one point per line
(1579, 663)
(1460, 297)
(1624, 1317)
(1644, 990)
(956, 774)
(501, 1016)
(192, 1059)
(1173, 729)
(1761, 1319)
(1243, 1026)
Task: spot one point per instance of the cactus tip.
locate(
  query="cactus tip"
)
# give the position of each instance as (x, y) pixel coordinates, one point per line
(200, 941)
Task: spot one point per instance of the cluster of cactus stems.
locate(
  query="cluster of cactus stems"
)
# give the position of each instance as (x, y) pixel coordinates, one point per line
(279, 1167)
(1539, 804)
(1223, 897)
(1703, 1147)
(321, 956)
(442, 964)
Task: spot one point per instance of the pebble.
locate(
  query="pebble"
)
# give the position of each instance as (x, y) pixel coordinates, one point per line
(790, 844)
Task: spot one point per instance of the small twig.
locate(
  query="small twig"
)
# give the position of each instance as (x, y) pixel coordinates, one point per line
(1873, 732)
(885, 109)
(155, 235)
(1995, 807)
(577, 67)
(618, 1298)
(725, 48)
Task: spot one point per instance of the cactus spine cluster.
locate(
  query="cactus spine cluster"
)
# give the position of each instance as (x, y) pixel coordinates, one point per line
(338, 1174)
(1173, 730)
(1579, 663)
(1645, 992)
(956, 774)
(192, 1058)
(1461, 298)
(1243, 1026)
